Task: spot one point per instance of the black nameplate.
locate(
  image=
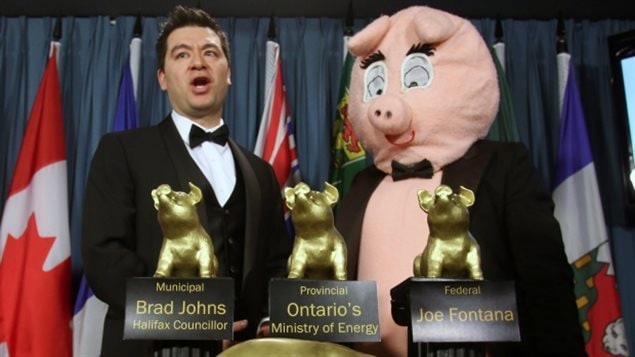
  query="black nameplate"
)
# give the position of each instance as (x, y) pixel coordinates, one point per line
(179, 309)
(324, 310)
(463, 311)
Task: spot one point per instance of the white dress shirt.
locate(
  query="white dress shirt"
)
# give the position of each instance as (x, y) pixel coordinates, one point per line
(215, 161)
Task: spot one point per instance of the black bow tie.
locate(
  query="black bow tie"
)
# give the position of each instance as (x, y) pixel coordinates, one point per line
(198, 136)
(422, 169)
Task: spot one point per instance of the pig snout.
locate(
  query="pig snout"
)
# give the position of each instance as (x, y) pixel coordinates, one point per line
(391, 116)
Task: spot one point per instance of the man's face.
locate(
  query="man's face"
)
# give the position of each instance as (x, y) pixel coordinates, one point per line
(196, 73)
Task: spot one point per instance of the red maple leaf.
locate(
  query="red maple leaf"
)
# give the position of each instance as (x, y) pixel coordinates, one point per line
(35, 310)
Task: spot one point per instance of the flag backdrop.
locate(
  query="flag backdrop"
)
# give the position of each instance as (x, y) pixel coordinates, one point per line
(126, 114)
(275, 142)
(504, 127)
(35, 264)
(89, 312)
(348, 155)
(579, 211)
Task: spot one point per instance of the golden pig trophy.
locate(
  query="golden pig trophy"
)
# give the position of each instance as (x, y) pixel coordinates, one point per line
(319, 251)
(187, 249)
(451, 251)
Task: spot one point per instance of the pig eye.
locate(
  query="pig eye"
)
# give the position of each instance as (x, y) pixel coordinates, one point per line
(375, 79)
(416, 72)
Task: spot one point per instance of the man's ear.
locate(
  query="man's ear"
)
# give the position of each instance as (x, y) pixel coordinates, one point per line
(161, 78)
(229, 76)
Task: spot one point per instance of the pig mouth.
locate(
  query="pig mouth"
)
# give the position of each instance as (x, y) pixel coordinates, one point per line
(394, 139)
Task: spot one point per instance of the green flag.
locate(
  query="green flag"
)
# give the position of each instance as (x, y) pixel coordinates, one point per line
(504, 127)
(348, 155)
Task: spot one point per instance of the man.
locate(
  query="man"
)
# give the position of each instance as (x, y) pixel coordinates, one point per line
(241, 208)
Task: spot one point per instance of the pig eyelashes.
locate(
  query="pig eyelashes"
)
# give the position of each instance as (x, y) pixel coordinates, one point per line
(425, 48)
(375, 57)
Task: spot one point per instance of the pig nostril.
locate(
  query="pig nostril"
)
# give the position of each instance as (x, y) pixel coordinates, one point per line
(389, 114)
(377, 113)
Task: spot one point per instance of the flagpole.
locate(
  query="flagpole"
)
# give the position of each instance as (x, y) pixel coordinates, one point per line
(562, 58)
(499, 44)
(348, 30)
(135, 54)
(271, 57)
(55, 44)
(504, 127)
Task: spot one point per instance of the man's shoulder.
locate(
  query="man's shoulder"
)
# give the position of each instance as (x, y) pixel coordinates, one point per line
(132, 136)
(498, 146)
(250, 156)
(498, 151)
(132, 142)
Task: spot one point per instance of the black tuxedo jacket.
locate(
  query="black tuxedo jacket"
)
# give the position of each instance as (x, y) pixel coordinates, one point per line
(122, 237)
(512, 220)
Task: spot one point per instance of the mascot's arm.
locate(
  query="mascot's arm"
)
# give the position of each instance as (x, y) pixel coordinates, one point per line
(543, 276)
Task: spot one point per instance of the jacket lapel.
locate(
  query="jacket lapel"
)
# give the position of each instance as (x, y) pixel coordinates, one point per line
(253, 197)
(468, 170)
(186, 169)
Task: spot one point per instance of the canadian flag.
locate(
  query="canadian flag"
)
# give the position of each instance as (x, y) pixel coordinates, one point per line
(35, 265)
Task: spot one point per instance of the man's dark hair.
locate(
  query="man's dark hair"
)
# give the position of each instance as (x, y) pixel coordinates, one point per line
(182, 16)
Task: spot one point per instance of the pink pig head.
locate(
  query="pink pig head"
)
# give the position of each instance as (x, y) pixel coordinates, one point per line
(423, 86)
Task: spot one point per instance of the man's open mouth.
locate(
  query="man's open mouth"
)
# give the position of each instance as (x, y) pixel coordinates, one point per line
(200, 82)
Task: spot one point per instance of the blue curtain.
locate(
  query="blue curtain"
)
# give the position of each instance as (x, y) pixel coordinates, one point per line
(94, 51)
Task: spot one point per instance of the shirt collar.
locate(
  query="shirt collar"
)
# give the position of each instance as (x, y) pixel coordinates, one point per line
(183, 126)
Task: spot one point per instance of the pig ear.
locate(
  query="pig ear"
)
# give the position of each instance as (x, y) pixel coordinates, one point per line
(434, 26)
(289, 197)
(467, 196)
(331, 193)
(155, 199)
(301, 188)
(426, 200)
(365, 41)
(195, 194)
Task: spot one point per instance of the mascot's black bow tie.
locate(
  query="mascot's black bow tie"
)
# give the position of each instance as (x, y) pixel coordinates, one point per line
(422, 169)
(198, 136)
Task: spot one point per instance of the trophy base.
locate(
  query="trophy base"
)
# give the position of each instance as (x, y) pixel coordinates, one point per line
(324, 310)
(179, 309)
(454, 317)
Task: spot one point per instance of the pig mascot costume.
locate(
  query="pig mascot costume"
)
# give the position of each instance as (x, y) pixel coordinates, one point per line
(423, 94)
